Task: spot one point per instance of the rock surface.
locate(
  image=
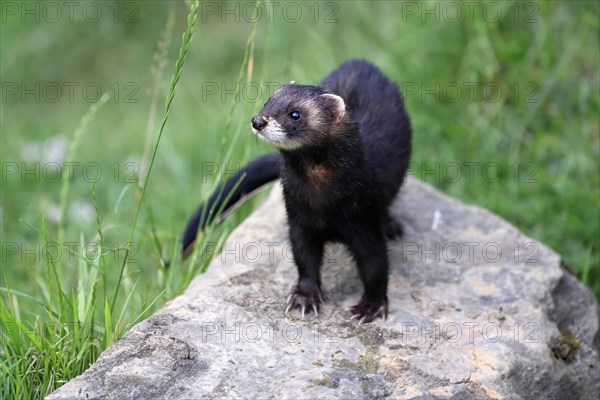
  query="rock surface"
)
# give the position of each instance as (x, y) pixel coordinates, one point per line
(477, 310)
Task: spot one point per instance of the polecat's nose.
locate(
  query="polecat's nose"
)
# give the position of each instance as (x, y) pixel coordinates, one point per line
(259, 122)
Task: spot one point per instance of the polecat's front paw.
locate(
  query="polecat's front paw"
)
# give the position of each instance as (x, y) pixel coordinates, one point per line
(366, 311)
(305, 300)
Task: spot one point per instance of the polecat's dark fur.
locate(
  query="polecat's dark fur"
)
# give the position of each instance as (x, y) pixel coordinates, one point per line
(344, 150)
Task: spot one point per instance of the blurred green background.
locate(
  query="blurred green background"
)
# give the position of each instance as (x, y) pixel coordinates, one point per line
(512, 88)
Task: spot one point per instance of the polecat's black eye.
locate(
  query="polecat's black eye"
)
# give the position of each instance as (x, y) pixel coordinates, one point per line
(295, 115)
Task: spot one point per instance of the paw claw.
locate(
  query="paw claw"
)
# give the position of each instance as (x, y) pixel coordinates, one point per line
(305, 301)
(367, 311)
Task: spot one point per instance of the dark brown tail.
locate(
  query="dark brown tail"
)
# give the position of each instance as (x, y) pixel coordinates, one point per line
(237, 189)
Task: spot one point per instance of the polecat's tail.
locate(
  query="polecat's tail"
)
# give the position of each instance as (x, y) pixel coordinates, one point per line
(228, 196)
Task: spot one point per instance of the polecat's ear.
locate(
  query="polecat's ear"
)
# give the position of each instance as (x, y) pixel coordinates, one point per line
(338, 107)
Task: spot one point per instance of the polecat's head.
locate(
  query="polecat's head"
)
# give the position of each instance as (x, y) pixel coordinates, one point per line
(298, 116)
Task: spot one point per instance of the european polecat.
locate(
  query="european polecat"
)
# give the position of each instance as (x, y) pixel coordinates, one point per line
(344, 148)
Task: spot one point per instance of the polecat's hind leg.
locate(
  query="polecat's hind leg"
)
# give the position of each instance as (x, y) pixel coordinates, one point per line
(308, 255)
(370, 252)
(393, 229)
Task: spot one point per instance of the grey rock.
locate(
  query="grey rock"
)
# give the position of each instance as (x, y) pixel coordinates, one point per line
(477, 310)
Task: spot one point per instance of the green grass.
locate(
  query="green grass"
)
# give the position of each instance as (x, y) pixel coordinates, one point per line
(106, 265)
